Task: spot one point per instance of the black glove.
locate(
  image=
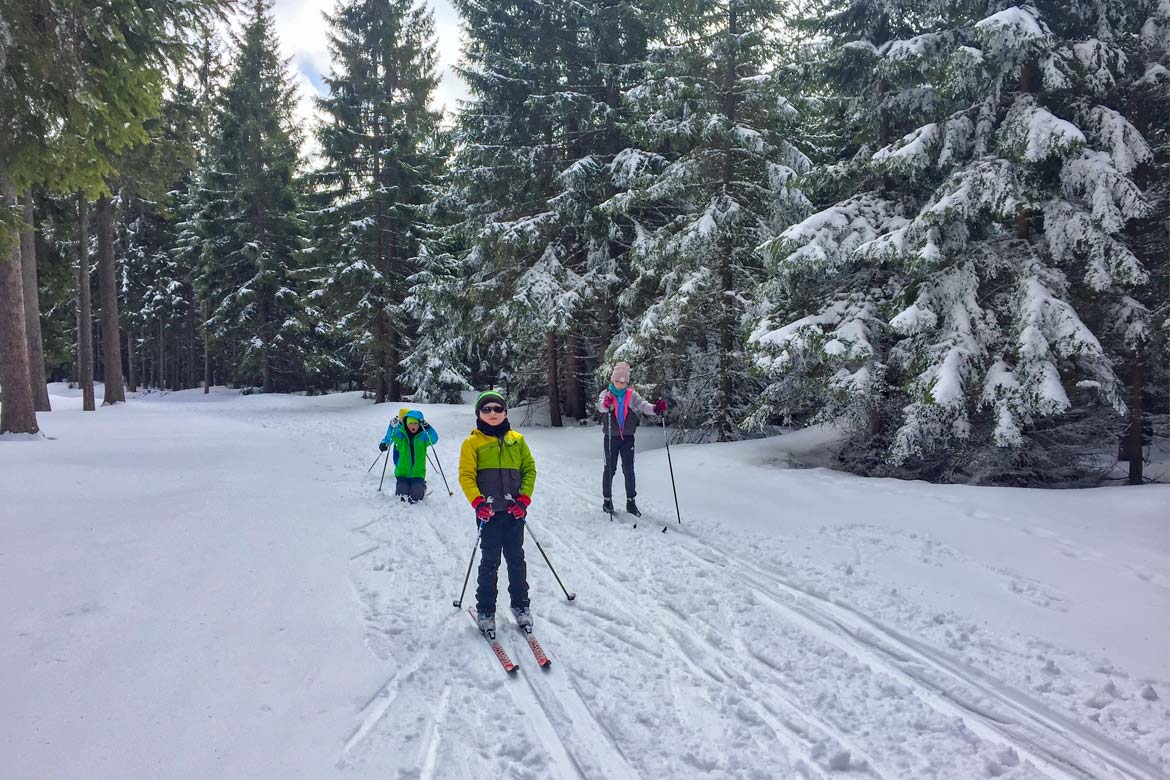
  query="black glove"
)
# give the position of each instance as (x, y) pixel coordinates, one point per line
(382, 446)
(394, 422)
(426, 424)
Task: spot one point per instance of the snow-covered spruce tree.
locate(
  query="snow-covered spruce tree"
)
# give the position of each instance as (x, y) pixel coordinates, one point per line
(708, 180)
(822, 345)
(381, 159)
(1140, 335)
(504, 173)
(535, 145)
(965, 287)
(435, 366)
(249, 218)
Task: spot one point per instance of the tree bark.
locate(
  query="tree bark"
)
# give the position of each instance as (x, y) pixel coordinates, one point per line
(84, 315)
(393, 359)
(1132, 441)
(132, 366)
(161, 368)
(108, 292)
(32, 309)
(17, 410)
(574, 392)
(380, 359)
(207, 377)
(554, 390)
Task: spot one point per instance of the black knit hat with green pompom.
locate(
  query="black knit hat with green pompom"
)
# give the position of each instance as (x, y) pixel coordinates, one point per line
(487, 396)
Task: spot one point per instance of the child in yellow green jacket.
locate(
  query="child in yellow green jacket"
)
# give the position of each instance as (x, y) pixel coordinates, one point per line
(497, 474)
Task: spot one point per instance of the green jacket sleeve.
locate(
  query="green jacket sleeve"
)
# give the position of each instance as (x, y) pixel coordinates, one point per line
(527, 469)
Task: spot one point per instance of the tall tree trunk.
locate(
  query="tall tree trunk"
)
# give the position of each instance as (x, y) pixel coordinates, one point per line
(727, 319)
(84, 315)
(17, 410)
(554, 390)
(574, 392)
(131, 365)
(380, 359)
(206, 351)
(108, 292)
(392, 360)
(1132, 441)
(161, 369)
(32, 308)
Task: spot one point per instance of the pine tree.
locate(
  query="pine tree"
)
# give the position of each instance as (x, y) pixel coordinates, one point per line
(380, 162)
(962, 284)
(708, 181)
(249, 219)
(536, 145)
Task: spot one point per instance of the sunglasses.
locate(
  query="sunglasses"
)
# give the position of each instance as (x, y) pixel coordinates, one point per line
(492, 409)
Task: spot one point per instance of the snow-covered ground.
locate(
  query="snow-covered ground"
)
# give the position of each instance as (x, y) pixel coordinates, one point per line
(212, 587)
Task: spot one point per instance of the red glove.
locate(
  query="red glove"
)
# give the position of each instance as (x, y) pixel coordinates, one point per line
(519, 508)
(659, 406)
(609, 401)
(483, 509)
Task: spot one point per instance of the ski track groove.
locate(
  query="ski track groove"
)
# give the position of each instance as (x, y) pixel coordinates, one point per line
(434, 736)
(577, 713)
(374, 709)
(819, 616)
(564, 762)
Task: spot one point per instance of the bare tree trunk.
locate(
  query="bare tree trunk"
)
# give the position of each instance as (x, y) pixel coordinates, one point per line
(1132, 441)
(574, 393)
(380, 359)
(84, 315)
(32, 309)
(132, 366)
(17, 411)
(108, 292)
(206, 352)
(161, 368)
(554, 390)
(392, 366)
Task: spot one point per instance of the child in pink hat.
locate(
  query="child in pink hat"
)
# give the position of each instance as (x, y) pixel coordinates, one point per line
(621, 405)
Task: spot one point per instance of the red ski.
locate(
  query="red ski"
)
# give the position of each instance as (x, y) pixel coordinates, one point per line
(497, 648)
(541, 659)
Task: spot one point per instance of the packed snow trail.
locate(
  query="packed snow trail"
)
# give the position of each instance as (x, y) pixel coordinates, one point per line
(798, 624)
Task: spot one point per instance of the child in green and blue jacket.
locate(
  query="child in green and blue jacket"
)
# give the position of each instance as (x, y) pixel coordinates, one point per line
(410, 435)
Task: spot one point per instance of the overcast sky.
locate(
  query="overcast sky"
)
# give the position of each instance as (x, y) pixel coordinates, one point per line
(302, 34)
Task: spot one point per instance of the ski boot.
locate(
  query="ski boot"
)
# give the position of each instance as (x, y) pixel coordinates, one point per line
(607, 505)
(632, 508)
(523, 616)
(486, 622)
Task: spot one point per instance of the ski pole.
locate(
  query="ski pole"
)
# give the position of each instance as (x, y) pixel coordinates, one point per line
(608, 454)
(569, 596)
(375, 463)
(671, 464)
(383, 479)
(442, 473)
(458, 604)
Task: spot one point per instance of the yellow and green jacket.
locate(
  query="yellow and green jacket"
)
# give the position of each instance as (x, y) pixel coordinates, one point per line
(495, 468)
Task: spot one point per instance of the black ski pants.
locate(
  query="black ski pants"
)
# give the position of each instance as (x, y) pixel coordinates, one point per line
(503, 534)
(618, 447)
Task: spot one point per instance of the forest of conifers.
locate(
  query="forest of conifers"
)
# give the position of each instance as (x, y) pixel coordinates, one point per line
(938, 225)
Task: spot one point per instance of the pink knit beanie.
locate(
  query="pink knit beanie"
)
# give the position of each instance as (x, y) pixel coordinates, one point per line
(620, 371)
